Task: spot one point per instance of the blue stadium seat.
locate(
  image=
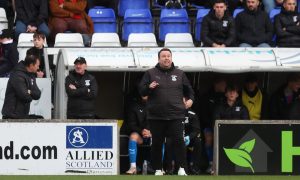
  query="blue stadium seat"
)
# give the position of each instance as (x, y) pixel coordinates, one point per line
(131, 4)
(173, 21)
(137, 21)
(104, 20)
(200, 14)
(237, 11)
(273, 13)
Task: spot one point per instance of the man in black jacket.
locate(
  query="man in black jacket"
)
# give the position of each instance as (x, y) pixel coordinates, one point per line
(31, 17)
(166, 87)
(82, 90)
(253, 26)
(283, 99)
(287, 25)
(218, 27)
(9, 54)
(21, 89)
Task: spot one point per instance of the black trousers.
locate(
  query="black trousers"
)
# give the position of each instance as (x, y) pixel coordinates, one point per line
(162, 129)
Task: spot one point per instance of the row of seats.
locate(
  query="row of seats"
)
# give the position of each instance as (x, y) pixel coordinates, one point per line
(112, 40)
(140, 21)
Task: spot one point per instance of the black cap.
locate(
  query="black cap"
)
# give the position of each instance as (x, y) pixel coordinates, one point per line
(5, 33)
(80, 60)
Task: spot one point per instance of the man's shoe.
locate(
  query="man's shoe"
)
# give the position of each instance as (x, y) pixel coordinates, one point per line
(131, 171)
(181, 172)
(159, 173)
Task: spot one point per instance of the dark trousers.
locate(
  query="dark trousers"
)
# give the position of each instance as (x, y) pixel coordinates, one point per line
(173, 129)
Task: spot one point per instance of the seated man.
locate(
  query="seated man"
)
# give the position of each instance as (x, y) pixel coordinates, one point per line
(232, 108)
(136, 126)
(9, 55)
(287, 25)
(218, 29)
(32, 16)
(69, 15)
(253, 26)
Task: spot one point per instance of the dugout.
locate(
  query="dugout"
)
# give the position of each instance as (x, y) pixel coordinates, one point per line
(117, 69)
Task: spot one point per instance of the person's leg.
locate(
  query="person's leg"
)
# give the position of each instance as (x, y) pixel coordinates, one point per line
(60, 25)
(245, 45)
(264, 45)
(176, 128)
(78, 25)
(198, 158)
(134, 139)
(20, 28)
(43, 28)
(157, 128)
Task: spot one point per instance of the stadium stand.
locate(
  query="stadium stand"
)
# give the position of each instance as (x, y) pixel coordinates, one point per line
(236, 11)
(200, 14)
(179, 40)
(104, 20)
(142, 40)
(137, 21)
(273, 13)
(173, 21)
(105, 40)
(132, 4)
(3, 19)
(68, 40)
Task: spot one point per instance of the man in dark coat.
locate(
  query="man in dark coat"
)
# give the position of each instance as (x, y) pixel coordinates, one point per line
(253, 26)
(166, 87)
(9, 54)
(82, 90)
(32, 16)
(218, 27)
(21, 89)
(287, 25)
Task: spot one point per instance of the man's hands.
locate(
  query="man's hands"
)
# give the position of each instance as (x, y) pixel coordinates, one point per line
(71, 86)
(146, 133)
(153, 85)
(31, 29)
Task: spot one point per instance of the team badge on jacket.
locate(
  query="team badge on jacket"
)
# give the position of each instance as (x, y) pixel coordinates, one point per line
(225, 23)
(87, 82)
(174, 77)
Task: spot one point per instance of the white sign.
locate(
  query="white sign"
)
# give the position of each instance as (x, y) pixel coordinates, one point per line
(58, 148)
(40, 107)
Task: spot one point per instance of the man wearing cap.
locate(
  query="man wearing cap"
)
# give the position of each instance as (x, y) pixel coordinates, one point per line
(9, 54)
(82, 89)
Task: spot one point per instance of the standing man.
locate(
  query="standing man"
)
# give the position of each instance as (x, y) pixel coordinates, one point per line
(218, 29)
(82, 90)
(166, 88)
(9, 54)
(21, 89)
(253, 26)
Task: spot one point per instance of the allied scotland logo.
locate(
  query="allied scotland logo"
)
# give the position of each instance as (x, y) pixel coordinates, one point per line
(78, 137)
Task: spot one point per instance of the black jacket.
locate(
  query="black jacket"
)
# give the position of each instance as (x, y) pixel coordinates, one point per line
(253, 27)
(191, 124)
(165, 102)
(135, 118)
(290, 37)
(279, 107)
(294, 113)
(81, 101)
(17, 97)
(214, 30)
(236, 112)
(9, 58)
(32, 12)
